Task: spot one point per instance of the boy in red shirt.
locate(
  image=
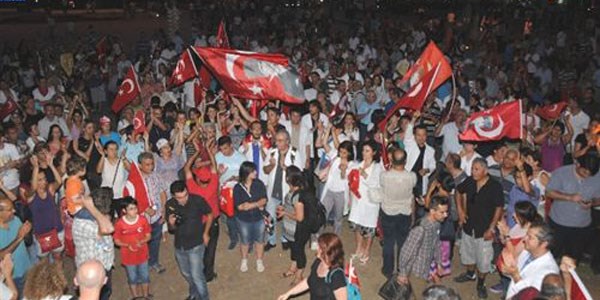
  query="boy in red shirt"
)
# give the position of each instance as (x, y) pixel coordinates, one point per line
(132, 233)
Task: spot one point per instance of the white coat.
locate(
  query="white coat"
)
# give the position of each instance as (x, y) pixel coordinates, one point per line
(291, 159)
(533, 273)
(412, 154)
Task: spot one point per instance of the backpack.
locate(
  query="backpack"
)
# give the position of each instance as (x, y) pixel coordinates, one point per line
(353, 291)
(314, 212)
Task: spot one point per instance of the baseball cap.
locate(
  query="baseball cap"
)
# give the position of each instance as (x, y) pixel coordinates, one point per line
(161, 143)
(203, 174)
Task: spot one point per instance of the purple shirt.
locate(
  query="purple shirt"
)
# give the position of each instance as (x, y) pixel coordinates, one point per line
(552, 155)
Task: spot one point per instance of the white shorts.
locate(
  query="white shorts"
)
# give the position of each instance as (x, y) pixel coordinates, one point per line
(476, 252)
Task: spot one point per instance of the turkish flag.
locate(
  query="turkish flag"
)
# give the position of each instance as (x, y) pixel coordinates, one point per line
(7, 108)
(185, 69)
(129, 90)
(139, 122)
(552, 111)
(578, 289)
(415, 97)
(136, 188)
(252, 75)
(431, 57)
(354, 182)
(199, 92)
(494, 124)
(222, 39)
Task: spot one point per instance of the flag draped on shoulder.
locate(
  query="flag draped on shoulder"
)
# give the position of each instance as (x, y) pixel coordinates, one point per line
(431, 57)
(7, 108)
(552, 111)
(136, 188)
(184, 70)
(129, 90)
(502, 121)
(252, 75)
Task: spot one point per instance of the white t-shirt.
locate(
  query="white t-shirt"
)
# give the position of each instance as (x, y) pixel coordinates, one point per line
(38, 96)
(466, 163)
(108, 175)
(10, 177)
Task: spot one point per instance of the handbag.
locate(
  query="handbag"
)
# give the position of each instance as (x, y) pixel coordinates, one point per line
(48, 241)
(392, 290)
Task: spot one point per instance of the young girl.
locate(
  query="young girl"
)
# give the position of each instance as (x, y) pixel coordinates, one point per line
(132, 234)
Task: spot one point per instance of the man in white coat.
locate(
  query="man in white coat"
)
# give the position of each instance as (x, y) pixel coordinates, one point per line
(420, 157)
(278, 160)
(534, 263)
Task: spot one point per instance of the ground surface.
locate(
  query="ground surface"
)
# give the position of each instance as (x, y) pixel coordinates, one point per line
(231, 284)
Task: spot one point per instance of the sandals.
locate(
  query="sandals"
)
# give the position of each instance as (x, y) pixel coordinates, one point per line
(364, 259)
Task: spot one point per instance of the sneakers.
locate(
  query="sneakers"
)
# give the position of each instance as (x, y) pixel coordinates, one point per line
(497, 288)
(314, 246)
(464, 277)
(244, 266)
(482, 291)
(260, 266)
(158, 268)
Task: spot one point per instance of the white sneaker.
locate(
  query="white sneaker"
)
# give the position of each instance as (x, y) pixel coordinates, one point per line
(260, 266)
(314, 246)
(244, 266)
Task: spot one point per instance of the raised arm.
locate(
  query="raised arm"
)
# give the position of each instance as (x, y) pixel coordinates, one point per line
(243, 110)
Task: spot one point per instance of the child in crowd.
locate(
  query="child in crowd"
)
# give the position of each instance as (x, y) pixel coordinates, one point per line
(132, 234)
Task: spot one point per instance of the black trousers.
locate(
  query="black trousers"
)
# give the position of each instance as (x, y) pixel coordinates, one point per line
(569, 241)
(211, 250)
(298, 246)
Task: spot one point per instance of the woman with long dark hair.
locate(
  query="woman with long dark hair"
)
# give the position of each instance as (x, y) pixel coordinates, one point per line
(291, 212)
(326, 280)
(250, 197)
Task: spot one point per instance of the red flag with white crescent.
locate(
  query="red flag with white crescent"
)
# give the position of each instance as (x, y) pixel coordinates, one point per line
(184, 70)
(136, 188)
(139, 122)
(430, 57)
(552, 111)
(415, 97)
(7, 108)
(494, 124)
(199, 92)
(251, 75)
(129, 90)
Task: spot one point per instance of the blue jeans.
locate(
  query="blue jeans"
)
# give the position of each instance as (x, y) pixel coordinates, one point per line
(138, 274)
(154, 243)
(191, 266)
(271, 208)
(395, 231)
(252, 232)
(233, 230)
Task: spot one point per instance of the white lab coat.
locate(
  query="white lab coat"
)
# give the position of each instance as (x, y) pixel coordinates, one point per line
(412, 154)
(364, 211)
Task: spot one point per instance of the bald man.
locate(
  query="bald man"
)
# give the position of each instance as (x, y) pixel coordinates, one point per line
(90, 278)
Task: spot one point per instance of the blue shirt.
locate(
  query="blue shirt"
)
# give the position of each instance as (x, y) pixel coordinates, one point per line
(20, 257)
(231, 163)
(567, 213)
(515, 195)
(112, 136)
(365, 108)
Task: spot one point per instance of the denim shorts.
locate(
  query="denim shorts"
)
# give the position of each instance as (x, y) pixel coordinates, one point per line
(252, 232)
(138, 274)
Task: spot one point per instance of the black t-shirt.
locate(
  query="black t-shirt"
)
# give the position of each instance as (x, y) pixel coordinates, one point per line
(319, 288)
(481, 205)
(582, 140)
(188, 234)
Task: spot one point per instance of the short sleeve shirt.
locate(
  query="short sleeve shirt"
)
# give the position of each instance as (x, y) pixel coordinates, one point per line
(20, 256)
(481, 205)
(568, 213)
(131, 233)
(322, 288)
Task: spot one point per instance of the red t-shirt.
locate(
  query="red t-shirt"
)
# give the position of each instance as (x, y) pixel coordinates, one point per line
(130, 234)
(209, 193)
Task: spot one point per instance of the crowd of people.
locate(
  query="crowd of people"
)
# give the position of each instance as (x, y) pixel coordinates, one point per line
(510, 209)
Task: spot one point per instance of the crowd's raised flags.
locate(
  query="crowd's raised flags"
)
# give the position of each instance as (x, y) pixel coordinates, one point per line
(136, 188)
(139, 122)
(7, 108)
(416, 95)
(578, 289)
(431, 57)
(552, 111)
(129, 90)
(501, 121)
(222, 38)
(199, 91)
(184, 70)
(252, 75)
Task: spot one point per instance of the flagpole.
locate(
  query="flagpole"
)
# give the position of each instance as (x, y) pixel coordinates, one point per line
(454, 92)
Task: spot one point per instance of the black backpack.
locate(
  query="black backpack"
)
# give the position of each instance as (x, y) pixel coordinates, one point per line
(314, 212)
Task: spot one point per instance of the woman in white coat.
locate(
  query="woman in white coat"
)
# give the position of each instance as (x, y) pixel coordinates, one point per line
(364, 211)
(335, 194)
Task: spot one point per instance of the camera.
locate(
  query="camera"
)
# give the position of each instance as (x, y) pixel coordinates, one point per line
(178, 219)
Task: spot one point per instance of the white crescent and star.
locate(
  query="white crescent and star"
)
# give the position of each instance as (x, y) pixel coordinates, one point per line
(129, 82)
(415, 91)
(553, 108)
(490, 133)
(256, 90)
(137, 123)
